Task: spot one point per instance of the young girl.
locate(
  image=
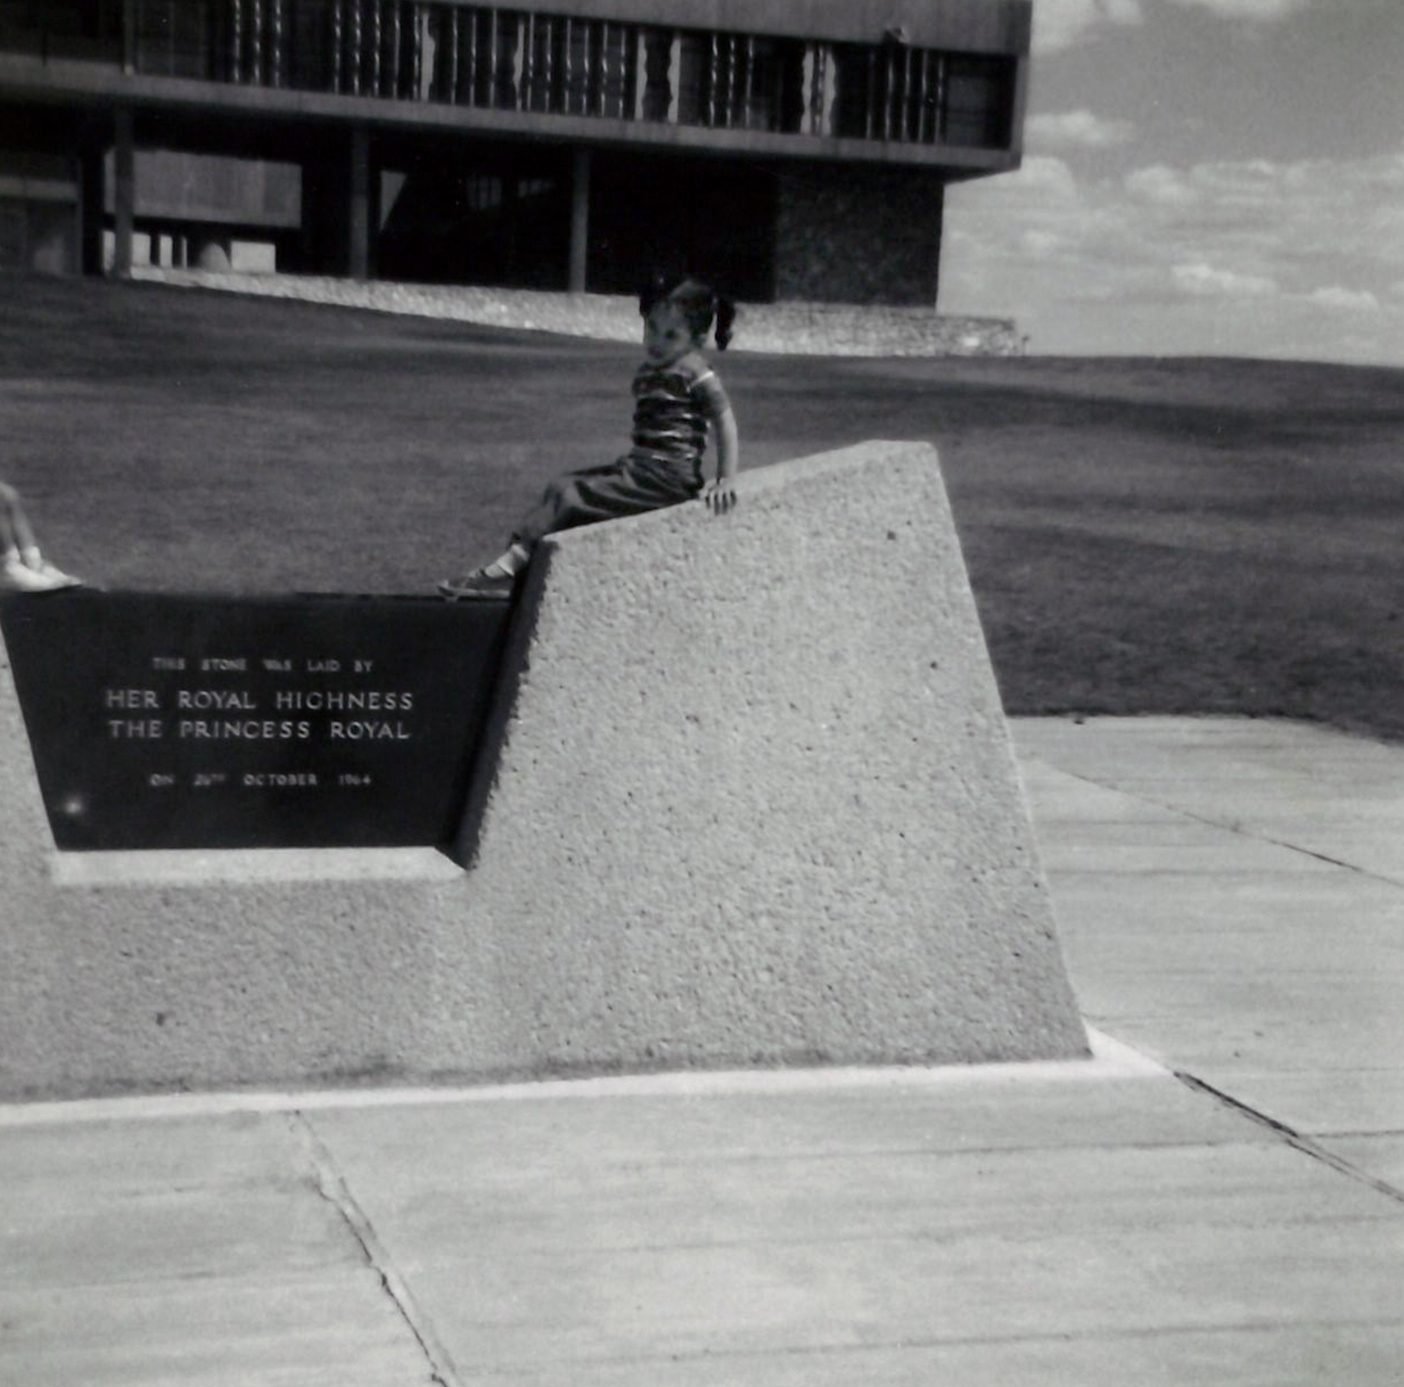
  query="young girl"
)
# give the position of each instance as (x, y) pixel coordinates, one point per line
(23, 568)
(676, 396)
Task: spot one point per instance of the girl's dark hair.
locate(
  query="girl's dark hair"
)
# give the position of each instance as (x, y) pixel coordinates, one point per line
(701, 305)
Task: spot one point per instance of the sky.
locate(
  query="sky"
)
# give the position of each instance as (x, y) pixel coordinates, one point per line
(1203, 177)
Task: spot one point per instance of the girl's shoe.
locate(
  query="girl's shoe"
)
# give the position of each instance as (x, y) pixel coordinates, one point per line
(57, 576)
(479, 585)
(18, 576)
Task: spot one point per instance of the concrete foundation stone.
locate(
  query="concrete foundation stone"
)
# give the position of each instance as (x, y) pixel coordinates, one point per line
(755, 800)
(748, 799)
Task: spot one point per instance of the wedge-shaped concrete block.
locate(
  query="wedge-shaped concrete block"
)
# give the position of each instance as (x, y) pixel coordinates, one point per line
(754, 799)
(747, 798)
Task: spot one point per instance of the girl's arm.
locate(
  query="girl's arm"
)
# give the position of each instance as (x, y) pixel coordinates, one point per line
(719, 494)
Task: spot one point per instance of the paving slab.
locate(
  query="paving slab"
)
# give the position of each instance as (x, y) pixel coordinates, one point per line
(1325, 1102)
(847, 1230)
(1313, 788)
(328, 1329)
(1024, 1224)
(1307, 1355)
(1273, 971)
(1276, 986)
(1381, 1157)
(193, 1250)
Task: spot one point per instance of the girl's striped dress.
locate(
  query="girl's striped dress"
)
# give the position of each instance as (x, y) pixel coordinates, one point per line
(672, 407)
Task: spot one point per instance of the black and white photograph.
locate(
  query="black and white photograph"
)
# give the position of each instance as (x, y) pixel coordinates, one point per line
(702, 693)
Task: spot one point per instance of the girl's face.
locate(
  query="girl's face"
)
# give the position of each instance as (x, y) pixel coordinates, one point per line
(667, 337)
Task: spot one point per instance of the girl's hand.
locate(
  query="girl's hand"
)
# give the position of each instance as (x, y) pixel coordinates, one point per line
(719, 495)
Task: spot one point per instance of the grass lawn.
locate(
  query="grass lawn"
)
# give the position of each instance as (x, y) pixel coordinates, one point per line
(1143, 536)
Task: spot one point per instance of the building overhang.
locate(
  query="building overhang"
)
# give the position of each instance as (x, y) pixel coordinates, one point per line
(100, 88)
(970, 26)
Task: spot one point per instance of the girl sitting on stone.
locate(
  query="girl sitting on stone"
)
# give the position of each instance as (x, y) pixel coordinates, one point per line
(22, 567)
(676, 396)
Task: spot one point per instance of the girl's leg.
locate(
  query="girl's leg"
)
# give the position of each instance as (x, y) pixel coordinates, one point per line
(15, 531)
(551, 512)
(603, 493)
(562, 507)
(23, 567)
(577, 498)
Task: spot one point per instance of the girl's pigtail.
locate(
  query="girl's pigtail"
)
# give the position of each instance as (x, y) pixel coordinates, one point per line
(726, 315)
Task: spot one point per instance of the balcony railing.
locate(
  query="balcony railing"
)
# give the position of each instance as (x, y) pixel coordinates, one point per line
(494, 58)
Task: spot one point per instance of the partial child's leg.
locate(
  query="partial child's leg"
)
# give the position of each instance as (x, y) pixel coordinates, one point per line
(23, 567)
(15, 532)
(15, 575)
(578, 498)
(561, 508)
(567, 502)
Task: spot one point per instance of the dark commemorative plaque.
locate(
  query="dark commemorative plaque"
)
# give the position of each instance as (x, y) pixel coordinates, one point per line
(163, 721)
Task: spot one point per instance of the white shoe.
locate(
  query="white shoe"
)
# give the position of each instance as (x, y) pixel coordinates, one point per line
(56, 576)
(18, 576)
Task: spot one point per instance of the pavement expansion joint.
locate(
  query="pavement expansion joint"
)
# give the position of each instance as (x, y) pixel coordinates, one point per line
(332, 1187)
(1306, 1145)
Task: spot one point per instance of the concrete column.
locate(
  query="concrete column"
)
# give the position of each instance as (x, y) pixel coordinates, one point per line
(129, 36)
(511, 212)
(90, 209)
(1018, 107)
(124, 191)
(579, 219)
(325, 242)
(358, 213)
(318, 231)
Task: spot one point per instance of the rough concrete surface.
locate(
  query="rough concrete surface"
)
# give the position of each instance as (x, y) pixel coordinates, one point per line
(756, 804)
(755, 798)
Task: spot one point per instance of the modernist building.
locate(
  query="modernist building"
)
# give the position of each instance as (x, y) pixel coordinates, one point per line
(795, 149)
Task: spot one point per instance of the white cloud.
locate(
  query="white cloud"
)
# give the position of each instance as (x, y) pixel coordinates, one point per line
(1204, 280)
(1282, 212)
(1059, 24)
(1250, 9)
(1346, 300)
(1078, 129)
(1158, 184)
(1043, 176)
(1042, 245)
(1227, 255)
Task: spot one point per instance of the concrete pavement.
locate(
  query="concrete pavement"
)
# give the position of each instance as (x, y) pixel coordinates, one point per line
(1230, 897)
(1217, 1197)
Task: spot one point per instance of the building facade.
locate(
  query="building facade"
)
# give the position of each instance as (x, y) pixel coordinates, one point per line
(792, 149)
